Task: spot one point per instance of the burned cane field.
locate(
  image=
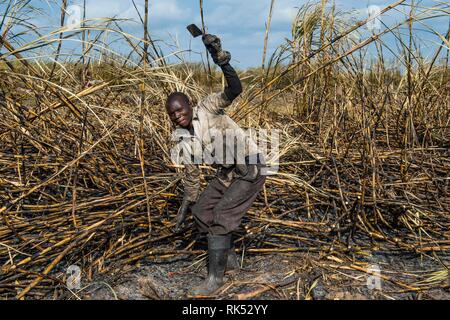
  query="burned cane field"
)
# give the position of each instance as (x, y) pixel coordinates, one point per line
(359, 206)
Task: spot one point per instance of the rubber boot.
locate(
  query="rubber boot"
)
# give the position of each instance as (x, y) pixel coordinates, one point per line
(232, 259)
(218, 247)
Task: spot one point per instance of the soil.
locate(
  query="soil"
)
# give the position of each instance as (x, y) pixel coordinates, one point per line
(298, 275)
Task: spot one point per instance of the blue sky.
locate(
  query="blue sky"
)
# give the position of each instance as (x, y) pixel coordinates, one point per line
(239, 23)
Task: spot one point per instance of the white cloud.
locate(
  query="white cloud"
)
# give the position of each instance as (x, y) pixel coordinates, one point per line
(168, 9)
(240, 23)
(159, 10)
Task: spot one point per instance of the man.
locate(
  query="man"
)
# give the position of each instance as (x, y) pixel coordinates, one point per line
(218, 211)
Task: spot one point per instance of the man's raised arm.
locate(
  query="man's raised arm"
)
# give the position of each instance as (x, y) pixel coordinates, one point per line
(234, 86)
(213, 103)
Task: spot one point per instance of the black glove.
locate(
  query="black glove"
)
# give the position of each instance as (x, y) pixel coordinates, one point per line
(182, 212)
(214, 47)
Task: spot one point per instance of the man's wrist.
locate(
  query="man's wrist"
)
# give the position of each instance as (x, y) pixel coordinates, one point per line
(225, 66)
(187, 201)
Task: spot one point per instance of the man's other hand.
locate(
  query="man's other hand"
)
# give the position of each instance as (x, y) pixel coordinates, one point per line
(182, 212)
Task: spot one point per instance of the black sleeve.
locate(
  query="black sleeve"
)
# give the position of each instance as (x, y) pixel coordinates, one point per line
(234, 86)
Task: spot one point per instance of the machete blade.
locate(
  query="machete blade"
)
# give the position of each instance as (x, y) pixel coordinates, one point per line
(194, 30)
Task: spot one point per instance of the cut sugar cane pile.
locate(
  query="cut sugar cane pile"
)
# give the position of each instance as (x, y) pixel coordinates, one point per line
(86, 177)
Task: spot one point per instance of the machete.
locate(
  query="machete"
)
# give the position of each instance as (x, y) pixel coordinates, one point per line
(194, 30)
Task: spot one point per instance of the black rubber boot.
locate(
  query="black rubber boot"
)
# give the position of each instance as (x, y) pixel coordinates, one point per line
(232, 259)
(218, 247)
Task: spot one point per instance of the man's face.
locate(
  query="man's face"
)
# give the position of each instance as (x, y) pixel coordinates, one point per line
(180, 112)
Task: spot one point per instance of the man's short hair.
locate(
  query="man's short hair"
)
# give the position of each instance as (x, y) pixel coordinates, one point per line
(175, 96)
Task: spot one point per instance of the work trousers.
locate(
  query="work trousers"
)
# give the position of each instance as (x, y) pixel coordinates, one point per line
(219, 209)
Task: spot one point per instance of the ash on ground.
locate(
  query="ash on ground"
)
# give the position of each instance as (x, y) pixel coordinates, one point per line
(297, 275)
